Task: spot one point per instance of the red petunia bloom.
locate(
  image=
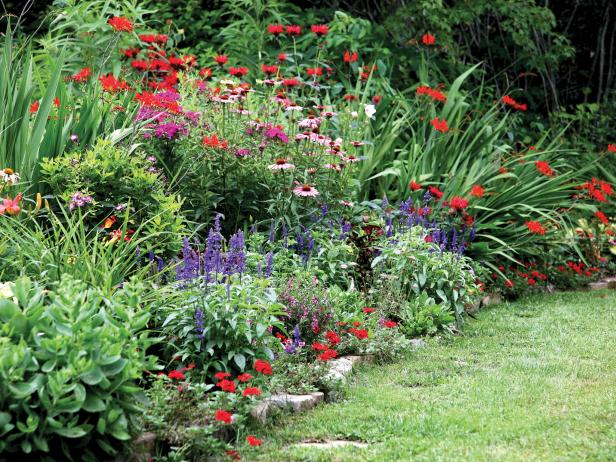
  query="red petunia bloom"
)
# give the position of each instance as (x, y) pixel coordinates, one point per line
(319, 346)
(222, 375)
(320, 29)
(176, 375)
(221, 60)
(458, 203)
(611, 148)
(427, 39)
(435, 192)
(263, 367)
(477, 191)
(543, 167)
(282, 57)
(226, 385)
(535, 227)
(390, 324)
(332, 337)
(440, 125)
(359, 333)
(275, 29)
(251, 391)
(415, 186)
(509, 283)
(327, 355)
(223, 416)
(531, 281)
(294, 30)
(253, 441)
(602, 217)
(350, 57)
(120, 24)
(243, 378)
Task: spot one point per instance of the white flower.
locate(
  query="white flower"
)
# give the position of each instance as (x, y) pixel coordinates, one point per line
(354, 114)
(370, 110)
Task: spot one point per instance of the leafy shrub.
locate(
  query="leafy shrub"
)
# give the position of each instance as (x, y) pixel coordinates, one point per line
(70, 366)
(422, 316)
(109, 182)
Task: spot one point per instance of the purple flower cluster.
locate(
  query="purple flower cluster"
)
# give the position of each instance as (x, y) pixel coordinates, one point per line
(78, 200)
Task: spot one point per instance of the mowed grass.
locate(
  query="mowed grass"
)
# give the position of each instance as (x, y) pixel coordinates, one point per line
(533, 380)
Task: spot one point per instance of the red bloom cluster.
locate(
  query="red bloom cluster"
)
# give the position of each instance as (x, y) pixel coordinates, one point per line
(253, 441)
(414, 186)
(158, 39)
(440, 125)
(120, 24)
(543, 167)
(477, 191)
(535, 227)
(275, 29)
(82, 76)
(597, 189)
(176, 375)
(294, 30)
(359, 333)
(602, 217)
(238, 71)
(221, 60)
(435, 192)
(111, 84)
(223, 416)
(611, 148)
(433, 93)
(350, 57)
(320, 29)
(327, 355)
(251, 391)
(270, 70)
(458, 203)
(226, 385)
(509, 101)
(214, 142)
(427, 39)
(263, 367)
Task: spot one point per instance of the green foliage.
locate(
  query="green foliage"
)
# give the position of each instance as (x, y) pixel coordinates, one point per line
(222, 327)
(422, 316)
(120, 182)
(70, 368)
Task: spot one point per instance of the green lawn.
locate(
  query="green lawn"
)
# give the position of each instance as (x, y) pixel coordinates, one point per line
(533, 380)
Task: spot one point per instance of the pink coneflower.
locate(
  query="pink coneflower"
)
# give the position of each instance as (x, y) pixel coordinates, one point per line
(281, 164)
(335, 167)
(310, 122)
(306, 190)
(357, 143)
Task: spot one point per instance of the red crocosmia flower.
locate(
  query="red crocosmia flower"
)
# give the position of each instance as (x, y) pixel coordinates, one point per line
(238, 71)
(415, 186)
(531, 281)
(439, 125)
(535, 227)
(458, 203)
(477, 191)
(120, 24)
(253, 441)
(141, 66)
(294, 30)
(611, 148)
(214, 142)
(206, 72)
(509, 283)
(270, 70)
(176, 375)
(368, 310)
(233, 454)
(502, 170)
(34, 107)
(509, 101)
(263, 367)
(222, 375)
(82, 75)
(376, 99)
(436, 95)
(290, 83)
(275, 29)
(320, 29)
(390, 324)
(602, 218)
(251, 391)
(282, 57)
(226, 385)
(111, 84)
(56, 102)
(221, 60)
(544, 168)
(319, 346)
(350, 57)
(349, 97)
(332, 337)
(435, 192)
(223, 416)
(243, 378)
(427, 39)
(130, 52)
(327, 355)
(314, 71)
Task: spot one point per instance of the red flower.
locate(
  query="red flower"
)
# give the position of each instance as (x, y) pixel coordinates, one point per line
(535, 227)
(332, 337)
(176, 375)
(415, 186)
(435, 192)
(253, 441)
(376, 99)
(390, 324)
(282, 57)
(327, 355)
(509, 283)
(439, 125)
(294, 30)
(436, 95)
(223, 416)
(82, 75)
(222, 375)
(314, 71)
(263, 367)
(544, 168)
(251, 391)
(509, 101)
(233, 454)
(206, 72)
(611, 148)
(111, 84)
(477, 191)
(141, 66)
(458, 203)
(227, 385)
(120, 24)
(319, 346)
(427, 39)
(290, 83)
(531, 281)
(350, 57)
(238, 71)
(320, 29)
(359, 333)
(601, 216)
(221, 60)
(368, 310)
(214, 142)
(34, 107)
(56, 102)
(275, 29)
(244, 377)
(273, 69)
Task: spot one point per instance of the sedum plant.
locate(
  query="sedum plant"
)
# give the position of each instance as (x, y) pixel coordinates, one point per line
(71, 363)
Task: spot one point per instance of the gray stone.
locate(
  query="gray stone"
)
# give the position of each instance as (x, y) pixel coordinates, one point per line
(293, 403)
(417, 343)
(491, 299)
